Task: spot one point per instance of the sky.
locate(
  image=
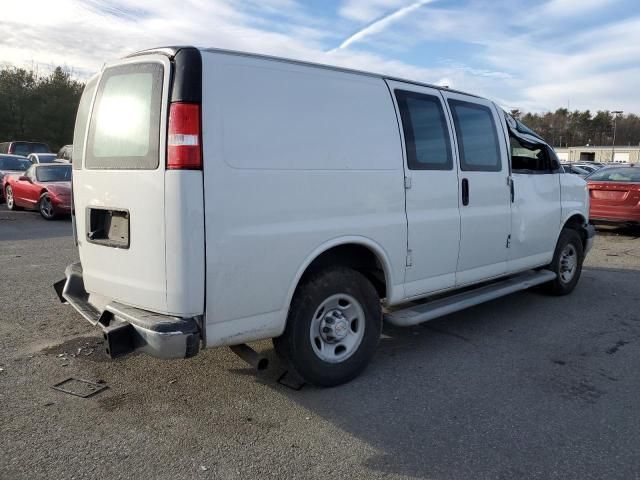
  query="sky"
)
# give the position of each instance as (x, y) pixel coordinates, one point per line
(530, 55)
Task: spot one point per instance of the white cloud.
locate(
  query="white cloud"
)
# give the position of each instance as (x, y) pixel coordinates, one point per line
(572, 8)
(383, 23)
(369, 10)
(502, 50)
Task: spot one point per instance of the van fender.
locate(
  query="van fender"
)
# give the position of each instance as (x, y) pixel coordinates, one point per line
(571, 217)
(572, 213)
(393, 291)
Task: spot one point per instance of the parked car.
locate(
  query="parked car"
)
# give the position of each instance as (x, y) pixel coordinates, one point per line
(615, 195)
(43, 187)
(579, 171)
(66, 153)
(245, 197)
(42, 157)
(588, 167)
(24, 148)
(11, 165)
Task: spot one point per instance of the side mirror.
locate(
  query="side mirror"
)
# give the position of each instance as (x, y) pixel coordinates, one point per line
(24, 178)
(555, 164)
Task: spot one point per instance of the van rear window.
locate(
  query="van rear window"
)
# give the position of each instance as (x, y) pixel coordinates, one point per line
(125, 124)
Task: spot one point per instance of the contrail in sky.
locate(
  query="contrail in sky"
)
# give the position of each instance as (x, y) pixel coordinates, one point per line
(381, 24)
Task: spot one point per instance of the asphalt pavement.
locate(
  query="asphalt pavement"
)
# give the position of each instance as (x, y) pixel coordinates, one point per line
(528, 386)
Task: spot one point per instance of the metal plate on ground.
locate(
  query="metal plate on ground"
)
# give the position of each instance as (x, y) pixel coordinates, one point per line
(78, 387)
(291, 380)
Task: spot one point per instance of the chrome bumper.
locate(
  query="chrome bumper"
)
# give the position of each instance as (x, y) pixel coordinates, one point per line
(128, 329)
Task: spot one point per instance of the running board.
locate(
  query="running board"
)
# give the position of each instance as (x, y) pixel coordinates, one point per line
(424, 312)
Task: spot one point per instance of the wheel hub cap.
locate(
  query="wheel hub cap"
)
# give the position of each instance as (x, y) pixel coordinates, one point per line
(334, 326)
(337, 328)
(568, 263)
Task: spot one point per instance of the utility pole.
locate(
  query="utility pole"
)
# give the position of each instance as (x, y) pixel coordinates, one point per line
(613, 142)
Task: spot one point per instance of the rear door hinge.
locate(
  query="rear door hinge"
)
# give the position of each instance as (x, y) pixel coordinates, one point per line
(407, 183)
(509, 241)
(409, 259)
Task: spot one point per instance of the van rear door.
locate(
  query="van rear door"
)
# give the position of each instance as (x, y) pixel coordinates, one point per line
(126, 215)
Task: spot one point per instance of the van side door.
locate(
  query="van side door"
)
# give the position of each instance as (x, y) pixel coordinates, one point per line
(431, 186)
(485, 205)
(535, 196)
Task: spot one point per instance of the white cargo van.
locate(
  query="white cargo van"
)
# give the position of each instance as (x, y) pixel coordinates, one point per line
(224, 197)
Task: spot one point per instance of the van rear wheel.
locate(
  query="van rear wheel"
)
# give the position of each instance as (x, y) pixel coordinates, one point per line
(333, 327)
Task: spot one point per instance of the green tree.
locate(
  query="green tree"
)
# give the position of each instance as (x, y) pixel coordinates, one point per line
(38, 108)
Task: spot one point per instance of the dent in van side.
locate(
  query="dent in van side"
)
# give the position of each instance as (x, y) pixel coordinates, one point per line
(574, 198)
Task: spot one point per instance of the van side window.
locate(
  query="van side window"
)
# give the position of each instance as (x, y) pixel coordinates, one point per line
(528, 158)
(425, 131)
(477, 137)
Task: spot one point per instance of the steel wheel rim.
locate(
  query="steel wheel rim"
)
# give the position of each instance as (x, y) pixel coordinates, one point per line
(337, 328)
(9, 194)
(568, 263)
(46, 207)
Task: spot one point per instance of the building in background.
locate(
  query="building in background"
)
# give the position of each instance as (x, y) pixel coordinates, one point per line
(623, 154)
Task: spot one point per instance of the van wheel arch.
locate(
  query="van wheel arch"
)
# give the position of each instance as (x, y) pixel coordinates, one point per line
(576, 222)
(356, 256)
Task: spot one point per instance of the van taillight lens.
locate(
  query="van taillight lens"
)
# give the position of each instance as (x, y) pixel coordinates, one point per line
(184, 145)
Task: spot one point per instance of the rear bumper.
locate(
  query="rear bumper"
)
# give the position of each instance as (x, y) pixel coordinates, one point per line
(614, 214)
(128, 329)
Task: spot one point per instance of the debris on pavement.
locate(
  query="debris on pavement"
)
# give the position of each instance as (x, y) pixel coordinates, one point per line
(80, 388)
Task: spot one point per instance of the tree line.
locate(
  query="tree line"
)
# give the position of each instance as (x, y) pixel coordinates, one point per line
(43, 108)
(36, 107)
(563, 128)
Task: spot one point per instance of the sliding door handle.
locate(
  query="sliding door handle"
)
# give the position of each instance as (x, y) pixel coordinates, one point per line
(465, 192)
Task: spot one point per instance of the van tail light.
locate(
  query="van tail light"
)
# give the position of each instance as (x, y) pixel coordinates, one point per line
(184, 139)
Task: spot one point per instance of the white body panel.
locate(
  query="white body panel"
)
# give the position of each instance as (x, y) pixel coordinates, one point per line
(433, 217)
(535, 220)
(297, 159)
(162, 270)
(574, 197)
(135, 276)
(486, 220)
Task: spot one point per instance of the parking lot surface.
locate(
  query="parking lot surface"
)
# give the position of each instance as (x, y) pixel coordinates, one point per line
(527, 386)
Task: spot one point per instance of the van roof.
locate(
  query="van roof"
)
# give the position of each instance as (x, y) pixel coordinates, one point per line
(171, 52)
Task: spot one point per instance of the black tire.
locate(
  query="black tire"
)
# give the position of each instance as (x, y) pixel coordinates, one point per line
(568, 242)
(296, 346)
(8, 196)
(45, 207)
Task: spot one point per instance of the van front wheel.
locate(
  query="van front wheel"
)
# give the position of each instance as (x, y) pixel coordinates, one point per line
(566, 263)
(333, 327)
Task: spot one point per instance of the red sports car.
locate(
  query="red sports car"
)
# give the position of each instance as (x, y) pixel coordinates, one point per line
(43, 187)
(615, 195)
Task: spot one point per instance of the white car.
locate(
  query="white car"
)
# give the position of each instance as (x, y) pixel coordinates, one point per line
(225, 197)
(36, 158)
